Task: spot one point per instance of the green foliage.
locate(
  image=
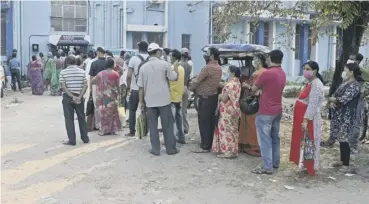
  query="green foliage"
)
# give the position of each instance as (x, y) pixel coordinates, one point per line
(328, 76)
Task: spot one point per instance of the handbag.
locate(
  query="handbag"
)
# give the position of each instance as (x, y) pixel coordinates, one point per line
(90, 106)
(249, 105)
(308, 146)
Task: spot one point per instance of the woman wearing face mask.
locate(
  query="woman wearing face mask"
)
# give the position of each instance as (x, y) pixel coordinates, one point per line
(343, 104)
(225, 140)
(307, 119)
(248, 140)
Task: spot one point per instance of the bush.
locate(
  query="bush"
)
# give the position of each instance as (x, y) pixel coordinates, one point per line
(328, 76)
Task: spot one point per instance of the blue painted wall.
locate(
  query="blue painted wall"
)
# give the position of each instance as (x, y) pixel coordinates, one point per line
(280, 44)
(9, 30)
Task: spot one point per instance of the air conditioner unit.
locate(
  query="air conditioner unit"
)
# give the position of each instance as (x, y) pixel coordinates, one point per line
(157, 1)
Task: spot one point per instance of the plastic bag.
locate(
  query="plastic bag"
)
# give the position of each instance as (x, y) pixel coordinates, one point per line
(141, 122)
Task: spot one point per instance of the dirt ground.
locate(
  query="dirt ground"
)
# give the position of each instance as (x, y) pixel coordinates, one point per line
(36, 168)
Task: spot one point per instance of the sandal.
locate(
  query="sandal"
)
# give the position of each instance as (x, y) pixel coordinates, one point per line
(337, 164)
(261, 171)
(226, 156)
(253, 152)
(199, 150)
(326, 144)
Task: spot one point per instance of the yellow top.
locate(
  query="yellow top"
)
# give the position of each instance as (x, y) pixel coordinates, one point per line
(177, 87)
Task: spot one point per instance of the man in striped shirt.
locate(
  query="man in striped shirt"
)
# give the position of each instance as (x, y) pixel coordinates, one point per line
(74, 84)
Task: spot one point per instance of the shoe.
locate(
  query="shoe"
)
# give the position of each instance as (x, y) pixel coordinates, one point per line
(186, 132)
(69, 143)
(130, 134)
(86, 141)
(181, 141)
(176, 151)
(154, 153)
(345, 169)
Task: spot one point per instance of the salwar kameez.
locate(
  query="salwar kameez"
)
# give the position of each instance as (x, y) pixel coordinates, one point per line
(226, 133)
(307, 107)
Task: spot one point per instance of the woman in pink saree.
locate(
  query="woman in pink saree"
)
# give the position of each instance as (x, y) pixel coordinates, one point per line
(107, 83)
(35, 76)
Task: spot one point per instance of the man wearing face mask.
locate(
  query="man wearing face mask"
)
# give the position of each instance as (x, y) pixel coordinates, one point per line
(206, 85)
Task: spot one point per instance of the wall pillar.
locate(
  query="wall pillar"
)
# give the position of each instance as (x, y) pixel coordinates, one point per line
(304, 45)
(9, 30)
(260, 34)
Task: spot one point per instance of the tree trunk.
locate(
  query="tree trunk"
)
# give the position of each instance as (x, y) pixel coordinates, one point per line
(351, 43)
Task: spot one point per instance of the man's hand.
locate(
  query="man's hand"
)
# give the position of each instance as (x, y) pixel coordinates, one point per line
(76, 100)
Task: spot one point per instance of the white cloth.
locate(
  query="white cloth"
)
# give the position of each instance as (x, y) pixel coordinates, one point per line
(123, 78)
(87, 94)
(190, 62)
(88, 67)
(97, 109)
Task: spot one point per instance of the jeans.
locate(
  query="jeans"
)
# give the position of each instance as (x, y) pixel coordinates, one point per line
(269, 140)
(184, 110)
(69, 108)
(177, 115)
(133, 105)
(166, 117)
(16, 78)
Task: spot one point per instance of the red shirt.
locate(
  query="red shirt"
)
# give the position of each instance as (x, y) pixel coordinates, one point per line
(272, 83)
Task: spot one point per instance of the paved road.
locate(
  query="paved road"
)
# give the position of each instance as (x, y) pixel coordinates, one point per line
(36, 168)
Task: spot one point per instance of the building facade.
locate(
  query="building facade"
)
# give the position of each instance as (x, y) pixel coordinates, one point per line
(43, 26)
(293, 37)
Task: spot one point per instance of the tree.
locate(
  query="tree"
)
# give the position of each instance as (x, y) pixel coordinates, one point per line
(352, 15)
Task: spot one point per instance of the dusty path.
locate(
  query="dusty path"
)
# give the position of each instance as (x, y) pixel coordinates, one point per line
(36, 168)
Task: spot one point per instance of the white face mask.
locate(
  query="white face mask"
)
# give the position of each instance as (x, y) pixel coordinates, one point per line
(350, 61)
(255, 63)
(344, 75)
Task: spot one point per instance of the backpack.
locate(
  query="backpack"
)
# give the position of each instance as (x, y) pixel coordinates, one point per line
(143, 61)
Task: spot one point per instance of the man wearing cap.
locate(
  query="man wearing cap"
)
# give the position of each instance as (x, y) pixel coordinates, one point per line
(132, 77)
(185, 53)
(155, 93)
(96, 67)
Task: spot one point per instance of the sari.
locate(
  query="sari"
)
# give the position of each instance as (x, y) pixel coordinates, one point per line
(55, 85)
(107, 83)
(248, 134)
(226, 133)
(36, 78)
(307, 106)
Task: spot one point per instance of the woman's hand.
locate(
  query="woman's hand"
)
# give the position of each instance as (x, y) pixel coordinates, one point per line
(331, 105)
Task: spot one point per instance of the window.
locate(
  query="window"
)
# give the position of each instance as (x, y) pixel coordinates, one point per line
(297, 41)
(186, 41)
(69, 16)
(266, 34)
(136, 38)
(253, 33)
(155, 38)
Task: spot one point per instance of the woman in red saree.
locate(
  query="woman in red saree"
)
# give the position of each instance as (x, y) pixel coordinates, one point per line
(107, 83)
(306, 132)
(248, 137)
(226, 134)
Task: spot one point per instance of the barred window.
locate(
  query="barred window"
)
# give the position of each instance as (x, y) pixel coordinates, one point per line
(69, 16)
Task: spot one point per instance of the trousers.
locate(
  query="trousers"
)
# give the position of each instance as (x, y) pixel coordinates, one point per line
(206, 118)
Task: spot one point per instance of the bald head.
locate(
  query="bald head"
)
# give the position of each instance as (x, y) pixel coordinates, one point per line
(71, 60)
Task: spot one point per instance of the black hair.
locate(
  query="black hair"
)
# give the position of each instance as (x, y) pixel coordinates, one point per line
(122, 53)
(142, 46)
(58, 55)
(176, 54)
(78, 61)
(34, 57)
(14, 55)
(84, 56)
(63, 54)
(71, 60)
(215, 52)
(262, 59)
(110, 63)
(189, 57)
(167, 51)
(359, 57)
(235, 70)
(355, 68)
(41, 54)
(315, 67)
(276, 56)
(154, 52)
(90, 54)
(78, 52)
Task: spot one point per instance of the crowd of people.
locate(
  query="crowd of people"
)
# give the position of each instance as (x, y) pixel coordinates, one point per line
(157, 81)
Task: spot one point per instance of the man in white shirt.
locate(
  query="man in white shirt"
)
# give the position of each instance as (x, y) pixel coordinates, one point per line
(132, 76)
(123, 80)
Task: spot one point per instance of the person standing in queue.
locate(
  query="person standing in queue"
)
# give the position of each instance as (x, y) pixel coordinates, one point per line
(96, 67)
(206, 85)
(74, 85)
(155, 93)
(132, 77)
(187, 75)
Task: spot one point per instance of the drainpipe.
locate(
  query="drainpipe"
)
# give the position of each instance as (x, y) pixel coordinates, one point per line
(124, 24)
(166, 22)
(20, 34)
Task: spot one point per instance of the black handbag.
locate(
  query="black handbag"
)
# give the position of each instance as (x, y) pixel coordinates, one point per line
(249, 105)
(90, 106)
